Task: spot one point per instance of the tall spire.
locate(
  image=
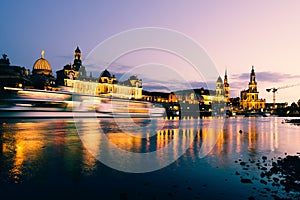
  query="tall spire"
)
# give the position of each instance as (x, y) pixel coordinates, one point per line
(252, 75)
(225, 76)
(43, 54)
(77, 50)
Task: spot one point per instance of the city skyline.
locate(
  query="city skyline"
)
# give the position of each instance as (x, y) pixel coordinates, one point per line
(236, 35)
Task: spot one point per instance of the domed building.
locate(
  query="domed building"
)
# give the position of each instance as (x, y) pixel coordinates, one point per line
(106, 77)
(42, 66)
(219, 87)
(42, 74)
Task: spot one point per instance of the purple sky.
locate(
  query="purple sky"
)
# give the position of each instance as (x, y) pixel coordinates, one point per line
(235, 34)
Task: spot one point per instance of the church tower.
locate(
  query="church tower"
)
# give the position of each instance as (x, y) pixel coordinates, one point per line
(77, 59)
(226, 87)
(252, 84)
(219, 87)
(249, 98)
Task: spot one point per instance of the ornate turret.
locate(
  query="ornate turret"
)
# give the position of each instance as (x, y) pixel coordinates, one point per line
(249, 98)
(226, 87)
(77, 59)
(219, 87)
(252, 84)
(4, 60)
(252, 76)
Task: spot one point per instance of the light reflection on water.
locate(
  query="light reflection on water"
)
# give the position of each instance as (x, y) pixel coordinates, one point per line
(40, 150)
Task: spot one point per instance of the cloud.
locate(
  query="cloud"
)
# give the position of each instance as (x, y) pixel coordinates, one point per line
(166, 86)
(271, 77)
(239, 82)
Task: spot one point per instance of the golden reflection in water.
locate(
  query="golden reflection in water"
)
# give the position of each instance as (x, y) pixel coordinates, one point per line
(273, 127)
(252, 135)
(191, 149)
(90, 137)
(125, 141)
(25, 145)
(24, 141)
(257, 135)
(219, 144)
(176, 142)
(238, 137)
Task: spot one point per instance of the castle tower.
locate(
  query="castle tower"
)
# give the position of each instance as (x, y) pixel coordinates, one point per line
(249, 98)
(226, 87)
(219, 87)
(252, 84)
(77, 58)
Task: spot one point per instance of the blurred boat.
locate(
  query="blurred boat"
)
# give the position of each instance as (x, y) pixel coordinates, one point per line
(21, 103)
(130, 108)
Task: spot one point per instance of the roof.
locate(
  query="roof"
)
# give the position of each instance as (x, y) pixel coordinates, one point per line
(219, 80)
(105, 73)
(77, 50)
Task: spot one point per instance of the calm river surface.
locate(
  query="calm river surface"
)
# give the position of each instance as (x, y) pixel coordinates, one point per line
(54, 158)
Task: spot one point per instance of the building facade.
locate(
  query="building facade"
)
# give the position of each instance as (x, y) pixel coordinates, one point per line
(13, 76)
(107, 86)
(249, 98)
(75, 71)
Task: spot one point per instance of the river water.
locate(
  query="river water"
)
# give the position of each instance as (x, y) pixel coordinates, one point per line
(69, 158)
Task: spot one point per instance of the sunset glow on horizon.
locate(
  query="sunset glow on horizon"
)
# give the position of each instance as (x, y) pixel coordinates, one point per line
(235, 34)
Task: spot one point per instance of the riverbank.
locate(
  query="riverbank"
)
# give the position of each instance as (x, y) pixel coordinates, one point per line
(292, 121)
(279, 176)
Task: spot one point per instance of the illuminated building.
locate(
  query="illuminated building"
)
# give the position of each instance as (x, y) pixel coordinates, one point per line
(73, 78)
(226, 88)
(249, 98)
(42, 66)
(12, 76)
(72, 71)
(195, 96)
(107, 86)
(219, 95)
(42, 74)
(163, 97)
(129, 89)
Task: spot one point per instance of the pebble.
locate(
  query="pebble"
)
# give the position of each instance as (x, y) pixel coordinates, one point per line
(242, 163)
(264, 157)
(251, 198)
(263, 182)
(246, 180)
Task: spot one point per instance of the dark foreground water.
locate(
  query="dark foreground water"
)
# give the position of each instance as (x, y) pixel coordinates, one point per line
(46, 159)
